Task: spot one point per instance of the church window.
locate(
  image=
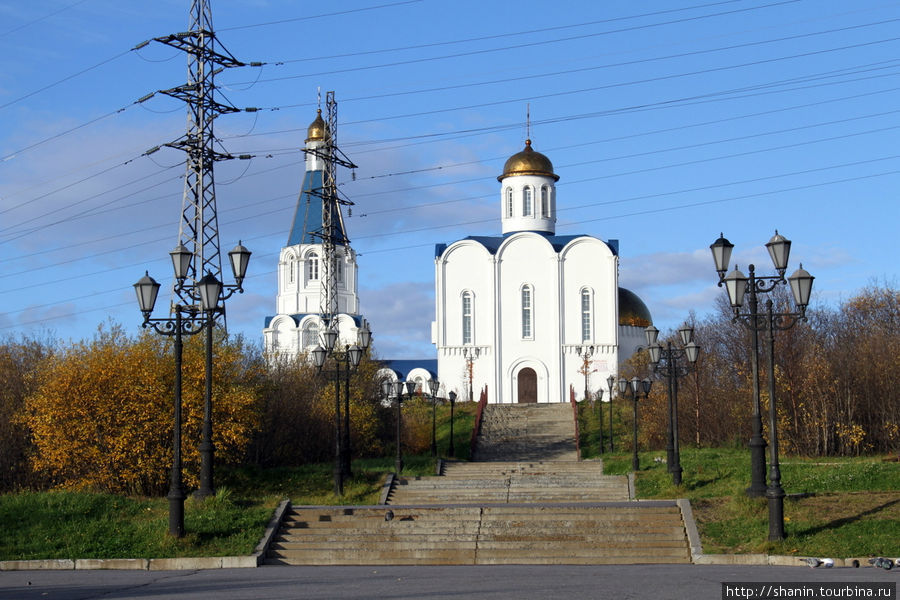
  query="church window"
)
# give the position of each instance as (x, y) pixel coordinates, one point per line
(545, 202)
(313, 261)
(467, 317)
(290, 270)
(509, 203)
(585, 315)
(340, 269)
(527, 309)
(311, 335)
(526, 202)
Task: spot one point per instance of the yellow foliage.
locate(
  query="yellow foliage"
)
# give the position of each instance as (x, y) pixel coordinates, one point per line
(102, 415)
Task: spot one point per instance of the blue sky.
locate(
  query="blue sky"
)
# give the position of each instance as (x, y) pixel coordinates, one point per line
(667, 121)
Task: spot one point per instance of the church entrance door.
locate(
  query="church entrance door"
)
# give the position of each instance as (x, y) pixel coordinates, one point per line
(527, 386)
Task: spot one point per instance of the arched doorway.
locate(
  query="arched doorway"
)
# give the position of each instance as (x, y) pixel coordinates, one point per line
(527, 386)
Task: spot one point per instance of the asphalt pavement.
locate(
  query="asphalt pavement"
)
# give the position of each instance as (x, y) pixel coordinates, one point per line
(621, 582)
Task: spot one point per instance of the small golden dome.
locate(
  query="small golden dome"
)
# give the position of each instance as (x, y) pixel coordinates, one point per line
(528, 162)
(632, 310)
(316, 129)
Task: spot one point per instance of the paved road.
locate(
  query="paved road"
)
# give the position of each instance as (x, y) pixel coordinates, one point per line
(518, 582)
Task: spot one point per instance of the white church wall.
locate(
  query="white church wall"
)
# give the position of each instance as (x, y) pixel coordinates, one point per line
(527, 263)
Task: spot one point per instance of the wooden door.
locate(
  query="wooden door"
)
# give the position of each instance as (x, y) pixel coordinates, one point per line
(527, 386)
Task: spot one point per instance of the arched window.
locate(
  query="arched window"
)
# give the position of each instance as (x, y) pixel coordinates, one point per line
(289, 264)
(545, 202)
(339, 261)
(586, 315)
(313, 266)
(311, 335)
(467, 317)
(526, 202)
(527, 309)
(509, 203)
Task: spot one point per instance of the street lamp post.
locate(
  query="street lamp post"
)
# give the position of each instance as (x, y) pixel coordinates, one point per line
(664, 361)
(363, 339)
(737, 285)
(239, 257)
(451, 452)
(397, 388)
(636, 387)
(434, 386)
(350, 356)
(611, 381)
(779, 249)
(147, 289)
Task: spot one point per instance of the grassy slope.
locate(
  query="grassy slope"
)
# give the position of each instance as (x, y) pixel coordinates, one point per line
(66, 524)
(835, 507)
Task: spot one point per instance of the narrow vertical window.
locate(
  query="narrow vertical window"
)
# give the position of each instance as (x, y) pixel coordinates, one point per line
(585, 315)
(467, 317)
(509, 203)
(526, 202)
(313, 261)
(526, 312)
(545, 202)
(311, 336)
(290, 268)
(340, 268)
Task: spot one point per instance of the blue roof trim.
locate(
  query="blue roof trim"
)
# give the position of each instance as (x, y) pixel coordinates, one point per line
(403, 367)
(297, 317)
(308, 214)
(492, 243)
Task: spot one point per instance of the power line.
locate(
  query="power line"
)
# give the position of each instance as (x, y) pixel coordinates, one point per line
(519, 46)
(42, 18)
(321, 16)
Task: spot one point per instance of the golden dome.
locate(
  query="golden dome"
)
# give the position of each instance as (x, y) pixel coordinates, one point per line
(316, 129)
(632, 310)
(528, 162)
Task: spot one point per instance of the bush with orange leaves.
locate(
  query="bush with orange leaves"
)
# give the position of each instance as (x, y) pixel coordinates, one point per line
(101, 416)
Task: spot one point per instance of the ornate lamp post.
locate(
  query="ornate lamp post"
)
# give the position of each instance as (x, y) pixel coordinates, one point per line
(737, 285)
(396, 388)
(434, 386)
(636, 386)
(450, 451)
(363, 338)
(664, 361)
(350, 356)
(239, 257)
(147, 290)
(611, 382)
(779, 249)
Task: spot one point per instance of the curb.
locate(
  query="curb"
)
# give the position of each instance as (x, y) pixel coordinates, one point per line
(158, 564)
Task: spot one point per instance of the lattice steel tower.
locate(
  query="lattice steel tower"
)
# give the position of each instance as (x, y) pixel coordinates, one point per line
(332, 232)
(199, 228)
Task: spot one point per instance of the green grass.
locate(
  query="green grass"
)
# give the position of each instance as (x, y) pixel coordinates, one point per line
(840, 507)
(66, 524)
(88, 525)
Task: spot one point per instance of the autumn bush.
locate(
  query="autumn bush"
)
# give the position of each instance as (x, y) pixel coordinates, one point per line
(101, 414)
(18, 364)
(297, 413)
(837, 378)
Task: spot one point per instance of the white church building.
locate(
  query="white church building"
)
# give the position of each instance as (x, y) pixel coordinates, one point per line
(519, 311)
(515, 312)
(296, 326)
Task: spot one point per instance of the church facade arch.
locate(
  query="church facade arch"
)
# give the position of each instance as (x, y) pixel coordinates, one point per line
(518, 378)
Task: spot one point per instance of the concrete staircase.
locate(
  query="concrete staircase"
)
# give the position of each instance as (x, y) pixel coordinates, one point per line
(527, 432)
(511, 483)
(612, 533)
(527, 500)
